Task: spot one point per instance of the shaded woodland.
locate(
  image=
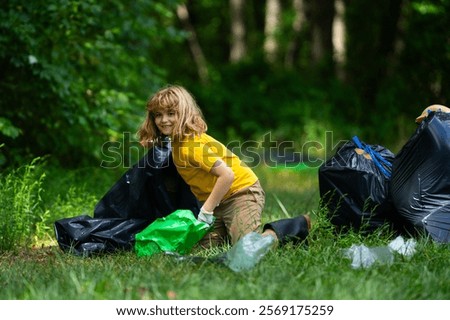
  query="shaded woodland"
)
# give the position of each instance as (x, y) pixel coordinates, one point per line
(75, 75)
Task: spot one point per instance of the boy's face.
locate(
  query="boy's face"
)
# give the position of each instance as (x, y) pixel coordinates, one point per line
(165, 120)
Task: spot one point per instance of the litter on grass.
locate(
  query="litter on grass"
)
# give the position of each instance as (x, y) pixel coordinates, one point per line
(243, 256)
(248, 251)
(364, 257)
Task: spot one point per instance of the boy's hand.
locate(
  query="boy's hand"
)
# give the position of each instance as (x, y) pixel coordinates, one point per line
(206, 217)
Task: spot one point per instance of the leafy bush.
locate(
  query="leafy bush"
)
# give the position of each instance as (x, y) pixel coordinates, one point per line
(74, 73)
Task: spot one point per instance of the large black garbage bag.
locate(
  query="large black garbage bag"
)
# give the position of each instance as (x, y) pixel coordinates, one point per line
(420, 185)
(354, 188)
(151, 189)
(84, 235)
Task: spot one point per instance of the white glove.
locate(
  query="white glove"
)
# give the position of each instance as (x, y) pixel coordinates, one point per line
(206, 217)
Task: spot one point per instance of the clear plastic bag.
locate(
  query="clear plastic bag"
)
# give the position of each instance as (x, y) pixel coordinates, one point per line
(364, 257)
(248, 251)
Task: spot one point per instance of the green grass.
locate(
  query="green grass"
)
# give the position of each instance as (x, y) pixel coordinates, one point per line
(22, 216)
(318, 271)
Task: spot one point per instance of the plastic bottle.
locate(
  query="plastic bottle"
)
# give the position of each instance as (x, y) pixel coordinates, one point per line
(248, 251)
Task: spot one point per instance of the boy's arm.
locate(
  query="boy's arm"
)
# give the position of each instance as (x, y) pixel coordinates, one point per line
(225, 178)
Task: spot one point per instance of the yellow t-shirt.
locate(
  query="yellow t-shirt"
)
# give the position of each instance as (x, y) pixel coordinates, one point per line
(195, 156)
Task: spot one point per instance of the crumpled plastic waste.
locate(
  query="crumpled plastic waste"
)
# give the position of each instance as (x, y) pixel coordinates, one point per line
(364, 257)
(244, 255)
(248, 251)
(406, 248)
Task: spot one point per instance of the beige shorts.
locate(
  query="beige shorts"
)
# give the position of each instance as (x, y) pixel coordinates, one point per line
(236, 216)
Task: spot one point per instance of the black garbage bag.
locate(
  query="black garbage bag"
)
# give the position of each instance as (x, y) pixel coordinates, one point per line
(84, 235)
(420, 185)
(151, 189)
(353, 186)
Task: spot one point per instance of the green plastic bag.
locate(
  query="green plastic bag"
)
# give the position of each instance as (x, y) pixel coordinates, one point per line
(177, 232)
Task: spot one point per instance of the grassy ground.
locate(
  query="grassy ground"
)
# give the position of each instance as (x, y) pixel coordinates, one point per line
(316, 271)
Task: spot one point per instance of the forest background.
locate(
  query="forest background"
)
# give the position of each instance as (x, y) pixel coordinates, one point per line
(75, 75)
(273, 77)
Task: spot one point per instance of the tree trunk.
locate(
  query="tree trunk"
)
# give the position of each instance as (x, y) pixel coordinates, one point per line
(272, 25)
(339, 39)
(194, 45)
(372, 30)
(322, 14)
(297, 25)
(238, 47)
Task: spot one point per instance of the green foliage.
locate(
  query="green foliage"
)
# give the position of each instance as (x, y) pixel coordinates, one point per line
(37, 194)
(250, 101)
(8, 129)
(76, 201)
(397, 73)
(74, 192)
(22, 215)
(396, 65)
(427, 52)
(75, 73)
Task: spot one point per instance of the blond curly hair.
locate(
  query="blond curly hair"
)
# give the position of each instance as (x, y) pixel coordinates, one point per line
(190, 120)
